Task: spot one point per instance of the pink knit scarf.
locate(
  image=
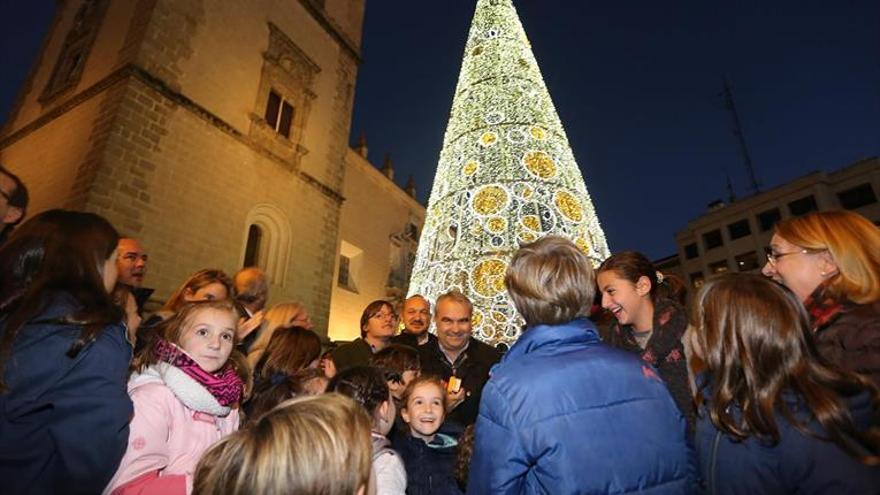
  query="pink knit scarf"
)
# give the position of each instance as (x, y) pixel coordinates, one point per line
(224, 385)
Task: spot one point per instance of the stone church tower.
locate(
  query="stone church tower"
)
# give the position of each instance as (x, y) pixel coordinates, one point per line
(214, 131)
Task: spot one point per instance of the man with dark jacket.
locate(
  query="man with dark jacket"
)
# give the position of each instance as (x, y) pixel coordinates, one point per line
(456, 353)
(565, 413)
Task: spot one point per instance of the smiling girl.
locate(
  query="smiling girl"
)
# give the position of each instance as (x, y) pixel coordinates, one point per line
(648, 321)
(186, 388)
(429, 456)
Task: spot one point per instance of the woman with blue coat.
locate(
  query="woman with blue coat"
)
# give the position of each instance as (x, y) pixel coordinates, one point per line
(774, 416)
(64, 410)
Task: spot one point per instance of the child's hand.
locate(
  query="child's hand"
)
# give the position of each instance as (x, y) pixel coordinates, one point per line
(453, 399)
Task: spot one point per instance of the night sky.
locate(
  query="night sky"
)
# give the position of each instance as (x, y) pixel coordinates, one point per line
(636, 84)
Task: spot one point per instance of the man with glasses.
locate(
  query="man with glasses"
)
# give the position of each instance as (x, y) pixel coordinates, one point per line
(13, 201)
(416, 320)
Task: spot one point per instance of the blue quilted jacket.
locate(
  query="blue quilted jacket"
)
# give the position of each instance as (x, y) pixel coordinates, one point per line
(564, 413)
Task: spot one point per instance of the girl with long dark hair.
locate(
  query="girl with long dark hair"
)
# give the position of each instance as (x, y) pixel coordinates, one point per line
(774, 415)
(64, 357)
(650, 320)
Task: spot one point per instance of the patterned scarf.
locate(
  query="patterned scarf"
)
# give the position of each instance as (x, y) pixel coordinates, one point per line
(224, 385)
(823, 308)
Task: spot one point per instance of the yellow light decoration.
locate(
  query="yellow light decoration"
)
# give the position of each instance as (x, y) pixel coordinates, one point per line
(470, 168)
(532, 222)
(568, 205)
(527, 237)
(477, 318)
(496, 225)
(505, 162)
(488, 277)
(540, 164)
(538, 133)
(490, 200)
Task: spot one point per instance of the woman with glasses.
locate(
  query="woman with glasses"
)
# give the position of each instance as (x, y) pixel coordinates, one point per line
(378, 324)
(831, 261)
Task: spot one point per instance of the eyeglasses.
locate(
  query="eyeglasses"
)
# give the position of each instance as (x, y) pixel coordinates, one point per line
(774, 257)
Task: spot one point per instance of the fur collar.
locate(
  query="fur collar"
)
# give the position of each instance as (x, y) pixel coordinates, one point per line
(185, 388)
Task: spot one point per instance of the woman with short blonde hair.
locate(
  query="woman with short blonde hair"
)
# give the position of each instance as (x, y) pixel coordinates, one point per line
(307, 445)
(831, 261)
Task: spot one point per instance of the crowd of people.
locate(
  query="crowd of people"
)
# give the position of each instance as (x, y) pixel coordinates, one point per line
(621, 382)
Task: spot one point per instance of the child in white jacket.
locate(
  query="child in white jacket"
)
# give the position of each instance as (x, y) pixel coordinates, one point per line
(367, 386)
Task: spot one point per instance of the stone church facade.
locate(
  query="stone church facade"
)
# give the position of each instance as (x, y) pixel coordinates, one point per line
(216, 132)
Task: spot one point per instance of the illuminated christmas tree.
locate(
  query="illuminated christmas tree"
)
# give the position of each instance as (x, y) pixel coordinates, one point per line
(506, 177)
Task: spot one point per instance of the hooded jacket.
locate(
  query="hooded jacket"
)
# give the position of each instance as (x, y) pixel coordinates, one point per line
(564, 413)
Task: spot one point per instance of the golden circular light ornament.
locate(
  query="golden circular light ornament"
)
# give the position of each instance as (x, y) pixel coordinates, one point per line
(496, 225)
(527, 236)
(540, 164)
(582, 244)
(488, 138)
(568, 205)
(532, 222)
(470, 168)
(538, 133)
(489, 200)
(488, 277)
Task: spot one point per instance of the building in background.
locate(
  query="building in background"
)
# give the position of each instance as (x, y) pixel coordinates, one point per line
(736, 237)
(378, 235)
(214, 132)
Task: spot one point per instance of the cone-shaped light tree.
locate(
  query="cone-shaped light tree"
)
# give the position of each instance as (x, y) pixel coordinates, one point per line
(506, 177)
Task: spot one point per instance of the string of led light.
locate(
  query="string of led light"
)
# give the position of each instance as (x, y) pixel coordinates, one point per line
(506, 176)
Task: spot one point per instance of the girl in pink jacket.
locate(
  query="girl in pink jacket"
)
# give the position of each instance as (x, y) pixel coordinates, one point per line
(186, 391)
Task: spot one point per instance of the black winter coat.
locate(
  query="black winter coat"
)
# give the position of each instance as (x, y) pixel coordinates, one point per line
(429, 468)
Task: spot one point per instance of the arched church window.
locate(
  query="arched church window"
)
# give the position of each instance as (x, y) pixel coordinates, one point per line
(252, 248)
(267, 241)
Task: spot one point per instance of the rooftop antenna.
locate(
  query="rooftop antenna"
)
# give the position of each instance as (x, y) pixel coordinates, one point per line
(727, 96)
(730, 194)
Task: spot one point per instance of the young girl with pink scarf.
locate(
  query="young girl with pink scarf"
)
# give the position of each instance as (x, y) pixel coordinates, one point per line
(186, 390)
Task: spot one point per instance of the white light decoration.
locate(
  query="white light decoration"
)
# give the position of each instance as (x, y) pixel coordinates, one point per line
(506, 177)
